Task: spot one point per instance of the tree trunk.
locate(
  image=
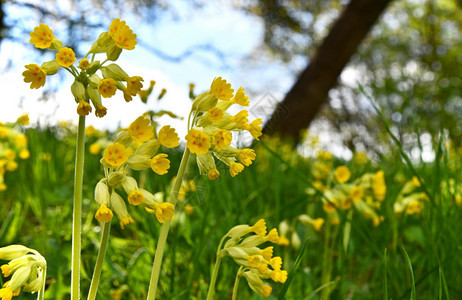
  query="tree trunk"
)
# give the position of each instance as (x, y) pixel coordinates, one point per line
(304, 100)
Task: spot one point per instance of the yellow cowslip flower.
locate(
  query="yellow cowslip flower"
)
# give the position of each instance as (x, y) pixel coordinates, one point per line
(141, 130)
(329, 206)
(24, 154)
(23, 119)
(259, 227)
(197, 142)
(6, 293)
(379, 187)
(273, 236)
(35, 75)
(42, 36)
(84, 108)
(20, 141)
(84, 64)
(65, 57)
(168, 137)
(241, 119)
(317, 224)
(135, 197)
(253, 260)
(279, 275)
(240, 98)
(267, 253)
(346, 203)
(107, 87)
(246, 156)
(104, 214)
(11, 166)
(3, 131)
(160, 164)
(215, 114)
(189, 209)
(221, 139)
(276, 262)
(235, 168)
(100, 111)
(95, 148)
(90, 130)
(125, 221)
(221, 89)
(134, 84)
(415, 181)
(213, 174)
(164, 211)
(356, 193)
(9, 154)
(342, 174)
(255, 128)
(122, 35)
(6, 270)
(283, 241)
(3, 187)
(116, 154)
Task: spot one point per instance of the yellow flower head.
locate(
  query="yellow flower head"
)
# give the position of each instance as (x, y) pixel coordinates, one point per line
(84, 108)
(100, 111)
(35, 75)
(141, 130)
(122, 35)
(197, 142)
(241, 119)
(164, 212)
(253, 260)
(6, 270)
(273, 236)
(9, 154)
(266, 290)
(276, 263)
(3, 187)
(317, 224)
(160, 164)
(221, 89)
(24, 154)
(134, 84)
(42, 36)
(168, 137)
(23, 119)
(90, 130)
(346, 203)
(104, 214)
(279, 276)
(125, 221)
(356, 193)
(222, 139)
(6, 293)
(135, 197)
(329, 207)
(84, 64)
(255, 128)
(20, 141)
(65, 57)
(240, 98)
(116, 154)
(213, 174)
(246, 156)
(342, 174)
(107, 87)
(259, 227)
(267, 253)
(215, 114)
(95, 148)
(235, 168)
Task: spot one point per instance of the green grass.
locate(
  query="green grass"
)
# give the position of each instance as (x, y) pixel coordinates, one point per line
(405, 257)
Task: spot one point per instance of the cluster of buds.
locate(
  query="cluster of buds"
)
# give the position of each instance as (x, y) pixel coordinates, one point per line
(135, 148)
(410, 199)
(211, 132)
(88, 86)
(13, 144)
(27, 269)
(256, 263)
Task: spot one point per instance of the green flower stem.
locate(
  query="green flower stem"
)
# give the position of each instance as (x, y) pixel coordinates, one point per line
(165, 228)
(211, 290)
(99, 261)
(236, 284)
(325, 276)
(77, 216)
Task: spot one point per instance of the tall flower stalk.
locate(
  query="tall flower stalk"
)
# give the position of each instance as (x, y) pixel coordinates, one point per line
(88, 88)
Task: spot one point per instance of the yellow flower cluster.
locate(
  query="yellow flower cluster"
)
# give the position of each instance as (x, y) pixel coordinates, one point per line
(27, 269)
(212, 127)
(88, 87)
(256, 264)
(13, 145)
(135, 148)
(410, 200)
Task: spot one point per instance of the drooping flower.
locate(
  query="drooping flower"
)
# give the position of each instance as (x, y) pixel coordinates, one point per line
(65, 57)
(135, 197)
(221, 89)
(104, 214)
(235, 168)
(122, 35)
(35, 75)
(168, 137)
(84, 108)
(141, 130)
(134, 84)
(164, 211)
(246, 156)
(160, 164)
(255, 128)
(240, 98)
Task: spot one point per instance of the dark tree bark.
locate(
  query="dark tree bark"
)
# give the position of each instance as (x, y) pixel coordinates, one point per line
(304, 100)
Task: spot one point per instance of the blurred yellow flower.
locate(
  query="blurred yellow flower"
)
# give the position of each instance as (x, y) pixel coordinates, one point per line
(342, 174)
(24, 154)
(23, 119)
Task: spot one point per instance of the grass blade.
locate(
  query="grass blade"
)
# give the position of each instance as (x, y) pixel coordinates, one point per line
(291, 275)
(412, 273)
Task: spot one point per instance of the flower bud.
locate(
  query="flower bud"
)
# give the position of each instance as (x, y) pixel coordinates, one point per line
(114, 71)
(102, 193)
(51, 67)
(13, 251)
(78, 90)
(204, 102)
(139, 162)
(149, 148)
